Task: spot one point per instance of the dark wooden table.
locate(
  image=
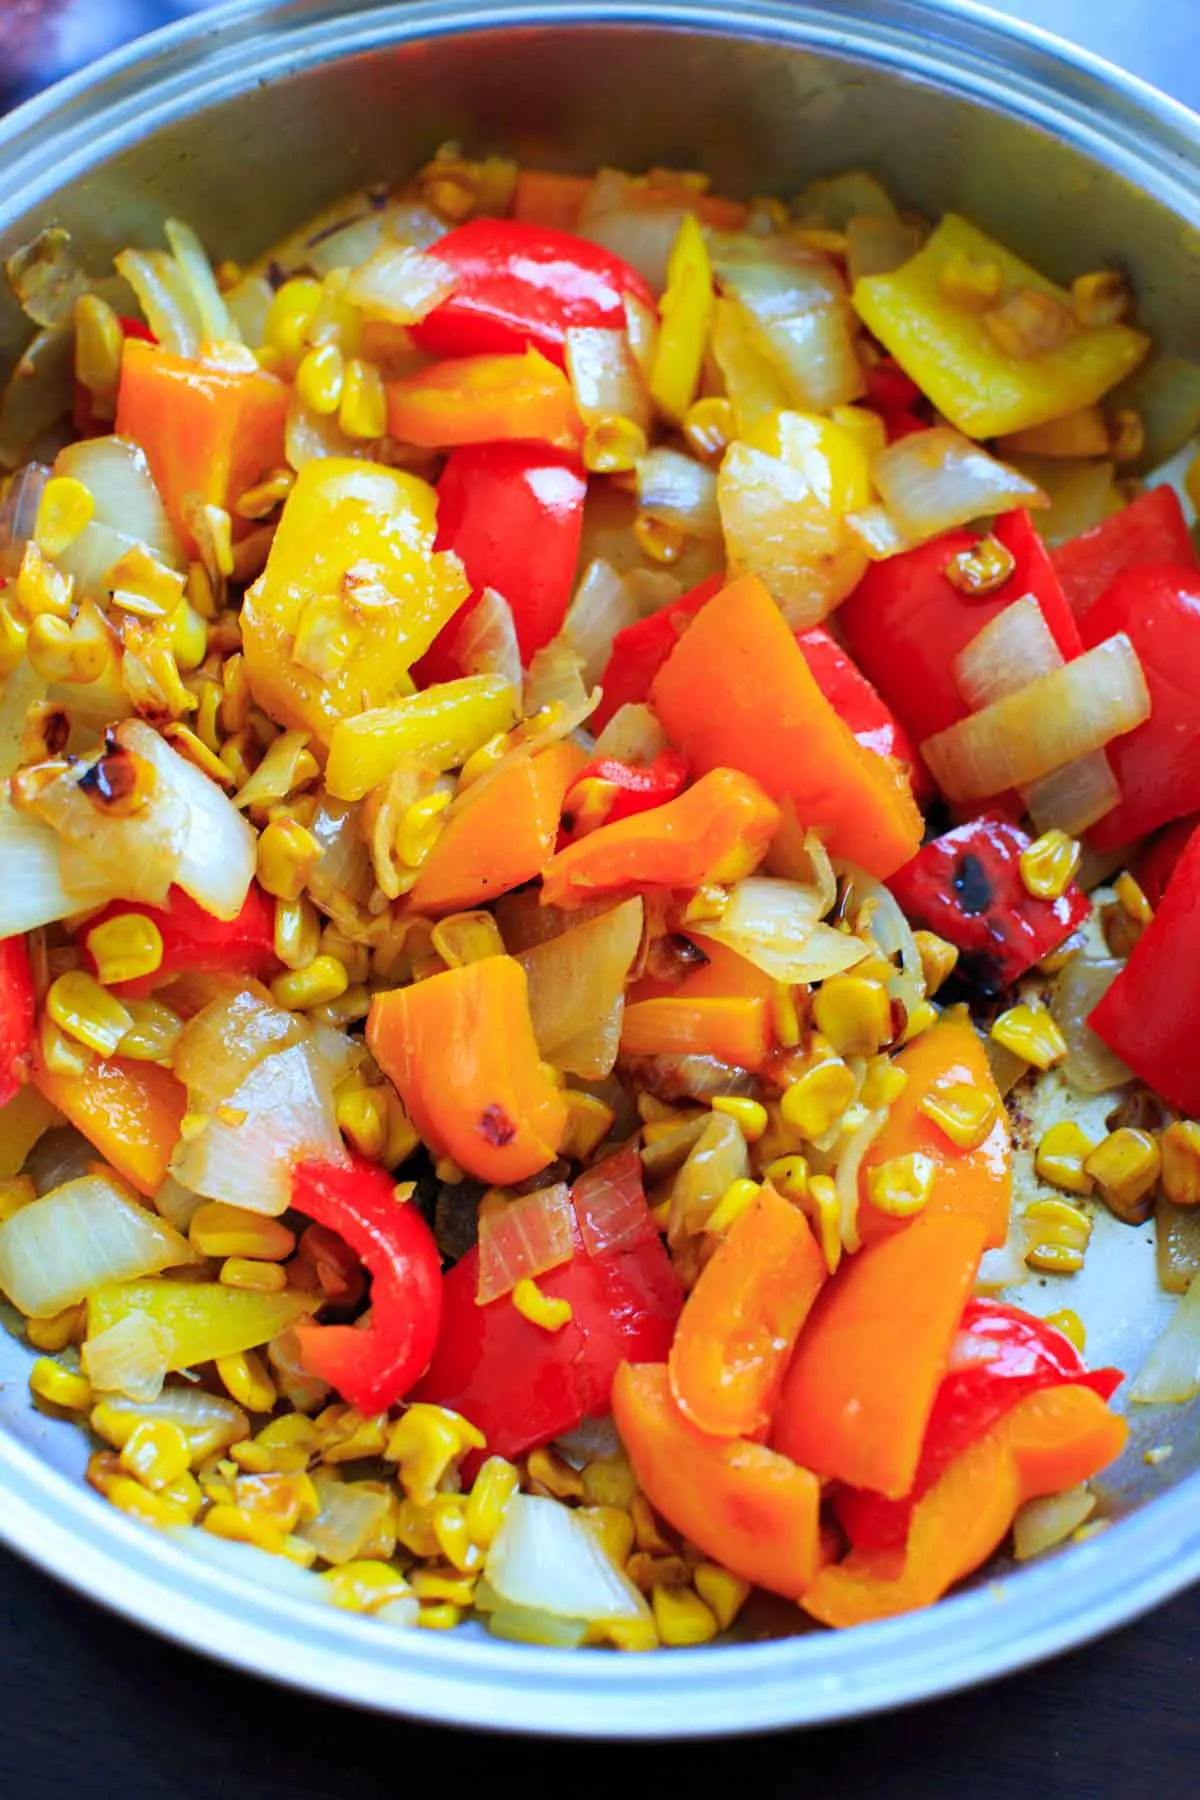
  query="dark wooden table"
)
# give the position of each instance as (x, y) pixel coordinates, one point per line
(93, 1708)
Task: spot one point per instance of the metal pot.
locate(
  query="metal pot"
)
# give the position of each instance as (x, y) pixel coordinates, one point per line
(246, 119)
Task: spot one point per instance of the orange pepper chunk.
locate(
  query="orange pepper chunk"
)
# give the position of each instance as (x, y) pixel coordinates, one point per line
(858, 1393)
(502, 838)
(208, 433)
(1050, 1441)
(736, 692)
(717, 830)
(461, 1051)
(485, 400)
(129, 1111)
(735, 1030)
(976, 1182)
(741, 1320)
(747, 1507)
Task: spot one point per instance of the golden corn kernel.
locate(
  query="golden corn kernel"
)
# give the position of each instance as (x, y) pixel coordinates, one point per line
(189, 637)
(709, 900)
(154, 1034)
(320, 379)
(1132, 900)
(156, 1452)
(491, 1491)
(965, 1114)
(612, 445)
(1060, 1157)
(447, 1170)
(661, 542)
(589, 1121)
(938, 959)
(60, 1386)
(901, 1186)
(785, 1015)
(613, 1527)
(450, 1530)
(287, 855)
(1125, 1165)
(16, 1191)
(681, 1617)
(550, 1471)
(970, 281)
(297, 933)
(87, 1012)
(1029, 323)
(14, 637)
(824, 1210)
(362, 1118)
(883, 1083)
(815, 1102)
(444, 1584)
(981, 570)
(626, 1634)
(709, 427)
(426, 1443)
(923, 1017)
(738, 1196)
(362, 412)
(1180, 1148)
(467, 938)
(245, 1379)
(1071, 1326)
(724, 1594)
(647, 1531)
(218, 1229)
(61, 1329)
(242, 1526)
(290, 315)
(402, 1138)
(322, 980)
(438, 1615)
(1058, 1235)
(1100, 298)
(1032, 1034)
(152, 1509)
(63, 510)
(750, 1116)
(260, 501)
(788, 1175)
(855, 1015)
(248, 1272)
(1050, 864)
(609, 1481)
(420, 827)
(48, 647)
(539, 1308)
(41, 589)
(125, 948)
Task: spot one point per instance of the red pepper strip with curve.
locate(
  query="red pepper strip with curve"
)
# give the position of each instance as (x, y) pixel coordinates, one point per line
(196, 943)
(375, 1366)
(607, 790)
(17, 1007)
(1151, 529)
(1001, 1354)
(520, 284)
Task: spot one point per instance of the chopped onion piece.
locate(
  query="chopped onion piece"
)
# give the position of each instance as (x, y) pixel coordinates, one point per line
(680, 491)
(846, 1175)
(651, 589)
(37, 397)
(33, 892)
(605, 376)
(209, 1422)
(308, 436)
(610, 1204)
(776, 527)
(525, 1625)
(577, 990)
(1007, 1067)
(673, 1078)
(933, 480)
(46, 277)
(602, 606)
(590, 1439)
(892, 932)
(643, 237)
(191, 259)
(486, 641)
(18, 515)
(876, 533)
(222, 1042)
(249, 303)
(400, 284)
(129, 1357)
(165, 296)
(248, 1563)
(133, 856)
(54, 1251)
(352, 1513)
(128, 510)
(1049, 1520)
(544, 1559)
(1005, 1267)
(804, 323)
(797, 854)
(344, 871)
(1090, 1065)
(526, 1238)
(633, 734)
(1049, 723)
(1176, 1245)
(770, 923)
(714, 1162)
(1171, 1372)
(1075, 797)
(176, 1204)
(217, 860)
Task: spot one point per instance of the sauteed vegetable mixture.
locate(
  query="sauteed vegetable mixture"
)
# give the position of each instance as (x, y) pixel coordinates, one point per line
(597, 826)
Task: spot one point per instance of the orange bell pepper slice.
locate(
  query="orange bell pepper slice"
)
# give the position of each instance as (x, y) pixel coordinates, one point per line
(542, 198)
(857, 1397)
(129, 1111)
(717, 830)
(208, 433)
(485, 400)
(502, 837)
(461, 1051)
(1050, 1441)
(735, 1030)
(747, 1507)
(736, 692)
(979, 1181)
(740, 1322)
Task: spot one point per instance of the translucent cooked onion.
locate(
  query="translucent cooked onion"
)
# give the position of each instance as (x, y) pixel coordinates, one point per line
(673, 1078)
(1041, 1524)
(642, 236)
(222, 1042)
(1049, 723)
(18, 515)
(602, 606)
(486, 641)
(523, 1239)
(610, 1204)
(633, 734)
(400, 284)
(133, 856)
(129, 1358)
(797, 854)
(1176, 1245)
(217, 859)
(777, 528)
(892, 932)
(804, 324)
(308, 436)
(716, 1160)
(33, 892)
(1090, 1065)
(1171, 1372)
(605, 376)
(933, 480)
(577, 990)
(37, 397)
(679, 491)
(352, 1513)
(344, 871)
(128, 510)
(249, 302)
(209, 1422)
(46, 277)
(176, 1204)
(770, 923)
(165, 296)
(191, 259)
(544, 1559)
(846, 1175)
(56, 1250)
(876, 533)
(1074, 798)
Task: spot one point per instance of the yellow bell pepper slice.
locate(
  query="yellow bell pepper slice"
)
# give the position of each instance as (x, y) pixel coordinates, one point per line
(352, 594)
(687, 310)
(948, 351)
(441, 727)
(198, 1320)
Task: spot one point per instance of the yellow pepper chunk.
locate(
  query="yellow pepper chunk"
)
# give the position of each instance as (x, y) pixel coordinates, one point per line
(442, 727)
(949, 352)
(197, 1321)
(351, 596)
(687, 310)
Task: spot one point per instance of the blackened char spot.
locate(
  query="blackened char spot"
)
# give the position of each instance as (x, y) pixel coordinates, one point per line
(976, 969)
(972, 884)
(496, 1126)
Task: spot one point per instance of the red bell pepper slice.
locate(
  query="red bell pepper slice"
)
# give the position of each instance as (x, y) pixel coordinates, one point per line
(1155, 864)
(906, 622)
(83, 418)
(17, 1009)
(514, 514)
(522, 1385)
(630, 789)
(196, 943)
(639, 651)
(1152, 529)
(1157, 766)
(1150, 1015)
(967, 887)
(889, 389)
(520, 284)
(373, 1367)
(867, 714)
(1000, 1356)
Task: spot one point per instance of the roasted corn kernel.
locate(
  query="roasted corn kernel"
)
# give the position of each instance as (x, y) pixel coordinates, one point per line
(965, 1114)
(612, 445)
(87, 1012)
(855, 1015)
(1071, 1326)
(750, 1116)
(1050, 864)
(59, 1386)
(738, 1196)
(320, 981)
(825, 1211)
(362, 411)
(723, 1593)
(491, 1491)
(218, 1229)
(99, 343)
(287, 855)
(1058, 1235)
(1180, 1148)
(901, 1186)
(467, 938)
(245, 1379)
(297, 933)
(157, 1453)
(247, 1272)
(1060, 1157)
(1029, 323)
(539, 1308)
(589, 1121)
(1125, 1167)
(709, 427)
(320, 378)
(545, 1468)
(817, 1100)
(1100, 298)
(938, 959)
(681, 1617)
(125, 948)
(427, 1442)
(970, 282)
(613, 1528)
(661, 542)
(883, 1083)
(62, 1328)
(129, 1496)
(785, 1015)
(291, 312)
(1132, 900)
(362, 1118)
(923, 1017)
(63, 510)
(1030, 1033)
